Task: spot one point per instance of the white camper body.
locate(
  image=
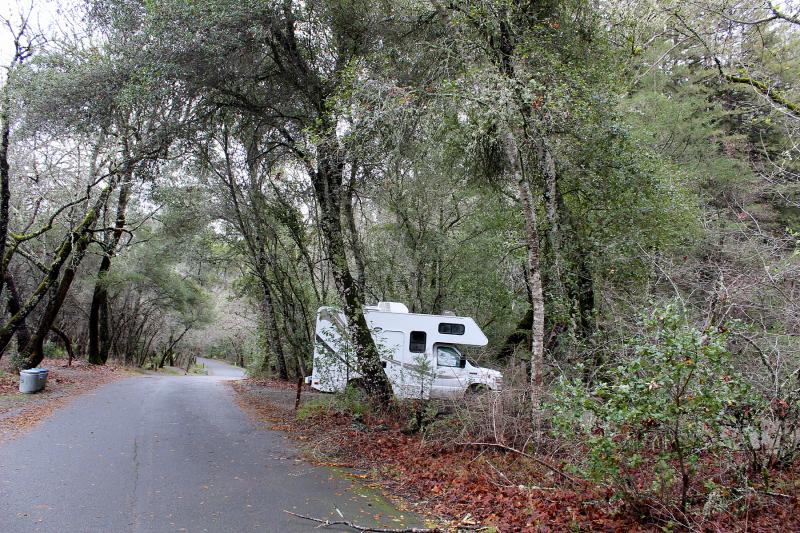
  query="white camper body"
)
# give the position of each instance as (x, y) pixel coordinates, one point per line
(419, 352)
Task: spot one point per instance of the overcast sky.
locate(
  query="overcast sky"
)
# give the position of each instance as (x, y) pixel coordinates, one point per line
(45, 15)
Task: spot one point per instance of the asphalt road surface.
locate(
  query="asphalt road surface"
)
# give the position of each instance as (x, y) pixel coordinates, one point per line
(219, 369)
(160, 454)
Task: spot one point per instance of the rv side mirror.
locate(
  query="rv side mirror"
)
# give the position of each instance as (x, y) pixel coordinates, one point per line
(463, 362)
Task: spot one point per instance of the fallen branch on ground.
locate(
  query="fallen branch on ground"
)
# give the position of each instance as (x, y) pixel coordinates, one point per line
(364, 529)
(328, 523)
(533, 458)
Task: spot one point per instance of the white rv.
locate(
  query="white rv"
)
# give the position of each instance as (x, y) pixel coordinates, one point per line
(419, 352)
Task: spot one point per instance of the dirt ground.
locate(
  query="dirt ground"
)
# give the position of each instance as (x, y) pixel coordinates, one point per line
(18, 411)
(279, 394)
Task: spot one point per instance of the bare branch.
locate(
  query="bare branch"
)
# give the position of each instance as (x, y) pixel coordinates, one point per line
(328, 523)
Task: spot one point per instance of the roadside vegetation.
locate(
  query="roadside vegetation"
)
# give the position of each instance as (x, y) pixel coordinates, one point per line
(609, 189)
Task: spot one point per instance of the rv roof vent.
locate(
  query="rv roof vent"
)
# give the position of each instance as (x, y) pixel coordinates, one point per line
(392, 307)
(448, 313)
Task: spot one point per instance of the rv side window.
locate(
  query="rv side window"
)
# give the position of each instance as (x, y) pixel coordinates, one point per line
(449, 328)
(418, 341)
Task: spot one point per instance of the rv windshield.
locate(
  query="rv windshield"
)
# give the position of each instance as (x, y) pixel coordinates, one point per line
(448, 356)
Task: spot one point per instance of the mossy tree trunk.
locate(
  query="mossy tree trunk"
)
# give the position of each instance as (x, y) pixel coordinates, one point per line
(327, 181)
(273, 350)
(5, 189)
(99, 345)
(74, 246)
(13, 306)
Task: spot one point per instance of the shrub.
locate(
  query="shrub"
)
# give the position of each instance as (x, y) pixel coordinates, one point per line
(352, 400)
(313, 408)
(421, 416)
(660, 415)
(54, 351)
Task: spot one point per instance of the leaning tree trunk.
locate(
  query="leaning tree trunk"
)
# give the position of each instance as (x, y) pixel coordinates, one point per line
(77, 239)
(534, 277)
(98, 311)
(67, 343)
(327, 180)
(82, 237)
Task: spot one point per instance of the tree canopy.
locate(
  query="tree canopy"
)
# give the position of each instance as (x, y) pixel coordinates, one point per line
(604, 187)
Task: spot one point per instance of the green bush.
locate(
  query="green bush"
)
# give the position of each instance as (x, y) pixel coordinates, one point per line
(352, 400)
(312, 408)
(423, 417)
(54, 351)
(660, 415)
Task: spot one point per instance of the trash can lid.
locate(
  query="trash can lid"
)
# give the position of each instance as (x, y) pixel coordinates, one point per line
(29, 371)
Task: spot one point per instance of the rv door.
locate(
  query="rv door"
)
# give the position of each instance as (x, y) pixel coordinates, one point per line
(450, 380)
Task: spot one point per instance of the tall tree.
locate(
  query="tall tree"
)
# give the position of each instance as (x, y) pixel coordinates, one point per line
(291, 92)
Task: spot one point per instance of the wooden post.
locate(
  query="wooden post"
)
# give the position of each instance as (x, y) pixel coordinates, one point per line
(299, 390)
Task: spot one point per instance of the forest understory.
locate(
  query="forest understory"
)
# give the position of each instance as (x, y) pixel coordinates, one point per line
(456, 483)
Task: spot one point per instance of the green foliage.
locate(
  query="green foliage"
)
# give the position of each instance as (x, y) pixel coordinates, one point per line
(312, 408)
(425, 417)
(351, 401)
(660, 412)
(54, 351)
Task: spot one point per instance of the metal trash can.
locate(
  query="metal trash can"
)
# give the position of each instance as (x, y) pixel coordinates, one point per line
(29, 381)
(43, 373)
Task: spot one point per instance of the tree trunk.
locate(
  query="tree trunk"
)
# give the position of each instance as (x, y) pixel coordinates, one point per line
(274, 345)
(520, 334)
(13, 306)
(547, 167)
(98, 316)
(67, 343)
(98, 311)
(534, 277)
(164, 356)
(585, 297)
(327, 182)
(355, 243)
(81, 237)
(5, 175)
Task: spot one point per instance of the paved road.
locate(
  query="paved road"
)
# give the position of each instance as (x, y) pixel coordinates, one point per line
(219, 369)
(160, 454)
